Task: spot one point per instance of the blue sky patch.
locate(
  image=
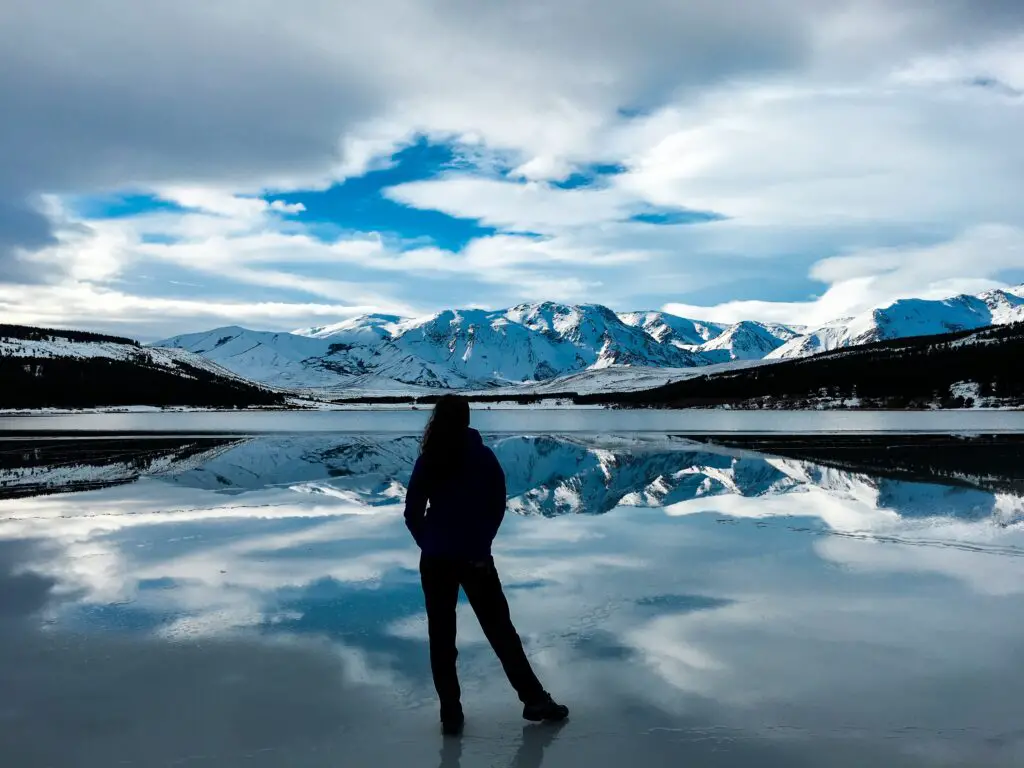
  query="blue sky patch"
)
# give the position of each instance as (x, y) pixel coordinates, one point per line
(121, 206)
(153, 238)
(668, 216)
(359, 205)
(594, 175)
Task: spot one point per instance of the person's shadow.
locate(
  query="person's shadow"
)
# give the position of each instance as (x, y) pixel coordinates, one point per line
(536, 738)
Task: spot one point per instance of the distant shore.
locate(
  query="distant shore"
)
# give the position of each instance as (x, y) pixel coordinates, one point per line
(294, 408)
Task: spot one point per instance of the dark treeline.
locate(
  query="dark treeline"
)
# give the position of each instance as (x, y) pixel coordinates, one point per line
(910, 373)
(427, 400)
(29, 333)
(32, 382)
(87, 382)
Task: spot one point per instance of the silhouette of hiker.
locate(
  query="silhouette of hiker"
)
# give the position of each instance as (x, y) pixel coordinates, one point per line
(464, 485)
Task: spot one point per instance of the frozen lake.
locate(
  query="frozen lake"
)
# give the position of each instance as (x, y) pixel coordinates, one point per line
(254, 601)
(526, 420)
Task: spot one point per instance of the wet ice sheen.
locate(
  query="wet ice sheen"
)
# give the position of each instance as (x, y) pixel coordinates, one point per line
(528, 420)
(254, 601)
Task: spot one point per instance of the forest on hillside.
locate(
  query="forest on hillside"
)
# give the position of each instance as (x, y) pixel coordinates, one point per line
(32, 382)
(57, 368)
(955, 370)
(31, 333)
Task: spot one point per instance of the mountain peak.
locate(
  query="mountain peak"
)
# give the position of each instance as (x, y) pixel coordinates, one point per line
(373, 322)
(909, 317)
(666, 328)
(745, 340)
(534, 342)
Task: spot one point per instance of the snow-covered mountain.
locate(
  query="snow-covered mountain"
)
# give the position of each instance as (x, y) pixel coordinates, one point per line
(273, 358)
(669, 329)
(356, 330)
(278, 359)
(909, 317)
(551, 346)
(746, 341)
(476, 349)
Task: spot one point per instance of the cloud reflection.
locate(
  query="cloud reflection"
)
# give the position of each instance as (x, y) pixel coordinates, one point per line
(787, 604)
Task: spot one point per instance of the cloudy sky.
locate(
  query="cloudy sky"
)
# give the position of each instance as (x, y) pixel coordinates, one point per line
(175, 165)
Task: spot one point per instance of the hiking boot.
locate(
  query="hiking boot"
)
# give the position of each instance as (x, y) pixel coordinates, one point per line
(545, 709)
(452, 724)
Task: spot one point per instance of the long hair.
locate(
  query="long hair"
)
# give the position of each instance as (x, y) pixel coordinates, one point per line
(444, 440)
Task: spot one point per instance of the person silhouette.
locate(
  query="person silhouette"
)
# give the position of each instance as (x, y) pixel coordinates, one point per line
(453, 508)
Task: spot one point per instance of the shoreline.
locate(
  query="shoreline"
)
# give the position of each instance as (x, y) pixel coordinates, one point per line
(114, 409)
(499, 406)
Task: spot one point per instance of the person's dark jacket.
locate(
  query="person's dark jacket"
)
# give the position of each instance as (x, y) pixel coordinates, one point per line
(466, 506)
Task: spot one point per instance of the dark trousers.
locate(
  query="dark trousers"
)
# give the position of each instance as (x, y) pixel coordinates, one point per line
(441, 578)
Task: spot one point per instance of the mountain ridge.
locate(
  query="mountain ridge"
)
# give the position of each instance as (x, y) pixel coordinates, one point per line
(910, 317)
(471, 348)
(533, 343)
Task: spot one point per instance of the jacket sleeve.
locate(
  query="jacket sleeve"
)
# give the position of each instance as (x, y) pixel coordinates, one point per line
(416, 501)
(496, 493)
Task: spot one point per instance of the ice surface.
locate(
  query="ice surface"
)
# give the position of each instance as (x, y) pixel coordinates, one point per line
(546, 419)
(258, 605)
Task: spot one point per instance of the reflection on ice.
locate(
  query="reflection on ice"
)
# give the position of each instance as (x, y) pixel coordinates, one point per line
(546, 475)
(256, 601)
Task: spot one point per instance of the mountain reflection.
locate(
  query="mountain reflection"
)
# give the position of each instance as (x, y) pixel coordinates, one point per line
(55, 465)
(546, 475)
(821, 601)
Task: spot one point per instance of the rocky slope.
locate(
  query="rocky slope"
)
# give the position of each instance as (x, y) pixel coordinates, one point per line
(476, 349)
(537, 344)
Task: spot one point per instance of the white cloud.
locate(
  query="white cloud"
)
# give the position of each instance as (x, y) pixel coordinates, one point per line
(995, 65)
(869, 153)
(532, 206)
(152, 317)
(833, 163)
(861, 281)
(243, 241)
(823, 130)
